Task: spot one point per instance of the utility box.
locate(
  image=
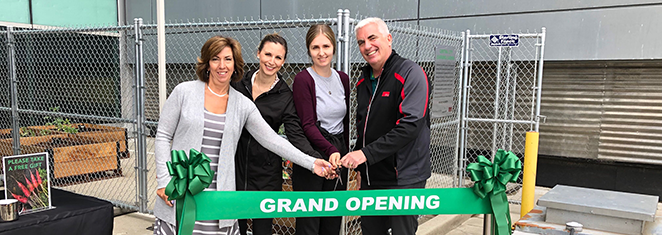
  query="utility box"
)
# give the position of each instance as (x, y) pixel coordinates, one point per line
(599, 209)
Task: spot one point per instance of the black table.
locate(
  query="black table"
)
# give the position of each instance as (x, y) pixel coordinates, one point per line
(73, 214)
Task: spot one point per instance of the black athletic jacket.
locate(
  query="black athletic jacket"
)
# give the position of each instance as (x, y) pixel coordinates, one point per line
(257, 168)
(394, 124)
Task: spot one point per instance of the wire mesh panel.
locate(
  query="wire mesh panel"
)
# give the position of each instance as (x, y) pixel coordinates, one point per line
(419, 43)
(75, 102)
(184, 41)
(5, 98)
(77, 97)
(501, 96)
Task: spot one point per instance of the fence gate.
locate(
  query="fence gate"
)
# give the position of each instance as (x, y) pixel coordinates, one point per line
(103, 81)
(71, 95)
(501, 95)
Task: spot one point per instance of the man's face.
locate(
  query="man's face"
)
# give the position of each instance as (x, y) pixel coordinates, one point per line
(375, 47)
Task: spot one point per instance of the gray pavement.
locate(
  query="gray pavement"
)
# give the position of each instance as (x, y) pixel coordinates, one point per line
(469, 224)
(132, 224)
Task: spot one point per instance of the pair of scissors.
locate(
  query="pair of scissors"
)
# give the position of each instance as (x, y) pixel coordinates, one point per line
(339, 179)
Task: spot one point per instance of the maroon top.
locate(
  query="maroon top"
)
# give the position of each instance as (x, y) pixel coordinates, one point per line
(305, 101)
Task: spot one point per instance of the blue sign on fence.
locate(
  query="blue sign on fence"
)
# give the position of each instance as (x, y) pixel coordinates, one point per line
(504, 40)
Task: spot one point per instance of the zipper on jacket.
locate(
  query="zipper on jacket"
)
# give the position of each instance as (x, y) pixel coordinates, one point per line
(248, 147)
(365, 124)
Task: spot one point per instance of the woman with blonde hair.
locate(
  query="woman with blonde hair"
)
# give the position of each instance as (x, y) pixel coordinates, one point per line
(321, 98)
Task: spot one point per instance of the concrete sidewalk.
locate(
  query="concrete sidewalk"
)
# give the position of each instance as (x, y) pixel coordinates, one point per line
(469, 224)
(133, 224)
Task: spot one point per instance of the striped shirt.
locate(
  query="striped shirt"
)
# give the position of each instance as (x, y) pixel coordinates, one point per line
(211, 146)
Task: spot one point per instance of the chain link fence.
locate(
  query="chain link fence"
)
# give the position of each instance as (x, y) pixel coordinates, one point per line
(6, 145)
(502, 101)
(184, 41)
(72, 102)
(418, 43)
(90, 96)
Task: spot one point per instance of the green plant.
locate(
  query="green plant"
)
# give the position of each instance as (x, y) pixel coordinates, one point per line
(27, 132)
(60, 124)
(281, 129)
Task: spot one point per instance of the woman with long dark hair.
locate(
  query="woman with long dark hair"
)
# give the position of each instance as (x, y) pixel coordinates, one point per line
(259, 169)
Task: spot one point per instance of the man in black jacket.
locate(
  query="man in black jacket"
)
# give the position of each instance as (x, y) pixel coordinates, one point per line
(393, 124)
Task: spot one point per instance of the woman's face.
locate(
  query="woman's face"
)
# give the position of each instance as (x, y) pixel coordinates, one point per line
(221, 67)
(321, 51)
(272, 57)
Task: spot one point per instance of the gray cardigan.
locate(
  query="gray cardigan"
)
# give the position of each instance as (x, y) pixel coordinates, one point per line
(182, 122)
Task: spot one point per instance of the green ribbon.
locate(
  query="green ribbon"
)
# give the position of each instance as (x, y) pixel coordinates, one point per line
(490, 181)
(277, 204)
(190, 176)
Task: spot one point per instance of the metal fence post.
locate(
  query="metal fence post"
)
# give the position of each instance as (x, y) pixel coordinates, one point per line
(141, 147)
(459, 117)
(339, 41)
(539, 84)
(496, 105)
(346, 41)
(465, 94)
(343, 55)
(11, 57)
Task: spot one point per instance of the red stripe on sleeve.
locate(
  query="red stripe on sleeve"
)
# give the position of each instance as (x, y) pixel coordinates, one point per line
(359, 82)
(427, 93)
(402, 94)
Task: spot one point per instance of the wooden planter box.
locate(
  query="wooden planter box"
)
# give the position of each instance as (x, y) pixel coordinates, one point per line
(6, 145)
(95, 148)
(69, 157)
(94, 133)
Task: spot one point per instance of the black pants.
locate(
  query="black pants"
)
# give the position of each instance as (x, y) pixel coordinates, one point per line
(304, 180)
(399, 225)
(260, 226)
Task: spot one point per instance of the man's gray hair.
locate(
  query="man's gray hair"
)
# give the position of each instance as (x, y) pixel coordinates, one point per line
(381, 25)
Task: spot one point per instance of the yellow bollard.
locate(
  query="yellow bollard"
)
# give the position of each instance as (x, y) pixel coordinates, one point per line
(529, 176)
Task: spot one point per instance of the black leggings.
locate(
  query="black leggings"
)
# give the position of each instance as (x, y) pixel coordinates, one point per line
(304, 180)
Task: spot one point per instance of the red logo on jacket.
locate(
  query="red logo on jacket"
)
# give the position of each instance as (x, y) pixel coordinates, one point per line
(386, 94)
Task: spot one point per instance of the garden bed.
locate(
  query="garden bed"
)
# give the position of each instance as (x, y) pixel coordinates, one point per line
(92, 148)
(70, 157)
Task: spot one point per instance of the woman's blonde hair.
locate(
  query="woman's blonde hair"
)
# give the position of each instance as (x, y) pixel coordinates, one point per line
(318, 29)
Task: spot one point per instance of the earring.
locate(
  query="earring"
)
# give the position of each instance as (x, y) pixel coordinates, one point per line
(207, 73)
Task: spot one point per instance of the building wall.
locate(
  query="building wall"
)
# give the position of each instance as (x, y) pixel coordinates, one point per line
(602, 57)
(59, 12)
(577, 30)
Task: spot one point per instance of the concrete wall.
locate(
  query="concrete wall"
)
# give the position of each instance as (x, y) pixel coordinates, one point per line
(59, 12)
(577, 30)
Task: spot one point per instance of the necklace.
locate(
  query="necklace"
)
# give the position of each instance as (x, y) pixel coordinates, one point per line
(260, 89)
(327, 85)
(208, 88)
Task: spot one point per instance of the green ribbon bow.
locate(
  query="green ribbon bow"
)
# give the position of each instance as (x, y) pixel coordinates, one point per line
(491, 179)
(190, 176)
